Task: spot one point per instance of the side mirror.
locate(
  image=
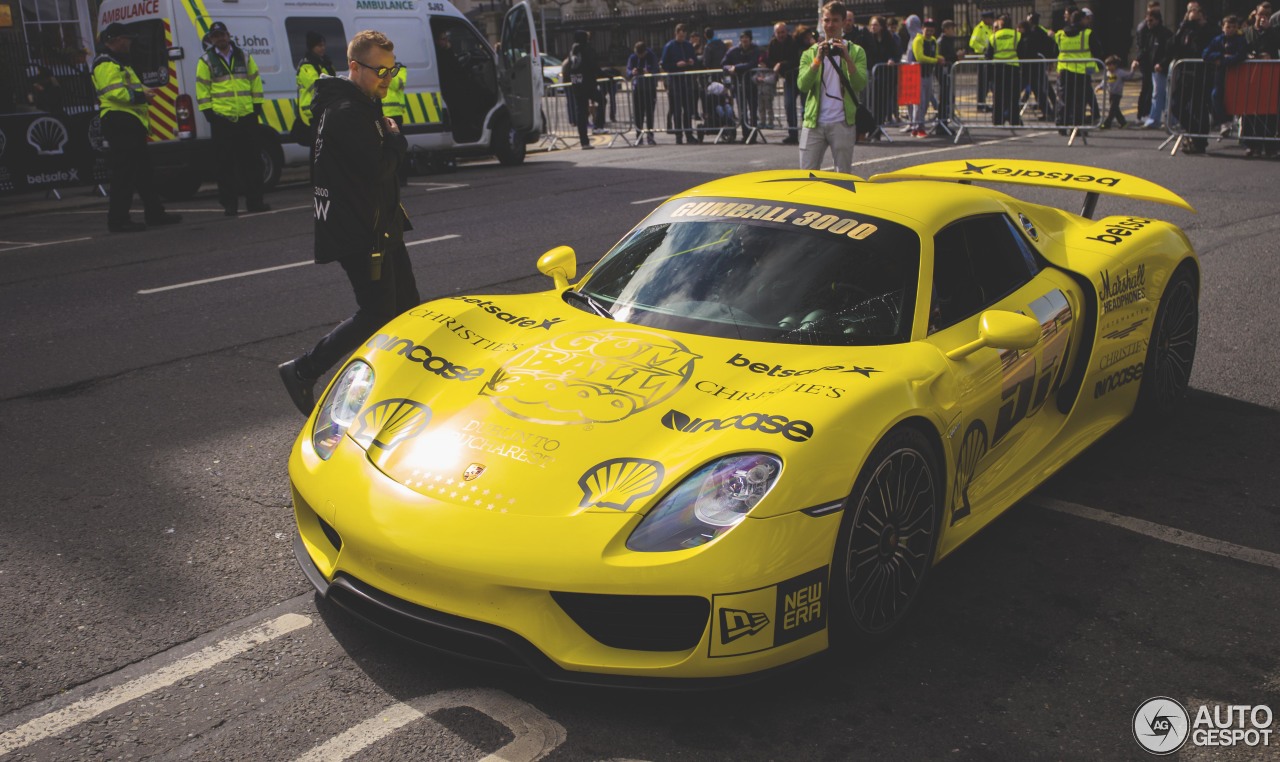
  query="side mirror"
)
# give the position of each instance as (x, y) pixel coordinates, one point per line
(176, 54)
(560, 264)
(1001, 330)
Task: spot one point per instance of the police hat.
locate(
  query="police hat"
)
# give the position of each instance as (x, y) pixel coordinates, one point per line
(113, 31)
(988, 14)
(216, 27)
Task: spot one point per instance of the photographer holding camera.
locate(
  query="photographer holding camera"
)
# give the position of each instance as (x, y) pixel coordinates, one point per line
(831, 73)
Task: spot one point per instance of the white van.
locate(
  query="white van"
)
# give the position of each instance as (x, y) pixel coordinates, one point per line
(494, 105)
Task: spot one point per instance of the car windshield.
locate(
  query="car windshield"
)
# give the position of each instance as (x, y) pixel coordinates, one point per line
(763, 272)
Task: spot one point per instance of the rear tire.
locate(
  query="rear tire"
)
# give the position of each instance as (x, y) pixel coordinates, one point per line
(888, 538)
(1166, 373)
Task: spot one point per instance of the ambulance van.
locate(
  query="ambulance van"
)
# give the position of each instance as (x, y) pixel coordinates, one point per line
(493, 104)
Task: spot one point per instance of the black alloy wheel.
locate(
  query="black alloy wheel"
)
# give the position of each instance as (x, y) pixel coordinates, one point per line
(1166, 374)
(888, 537)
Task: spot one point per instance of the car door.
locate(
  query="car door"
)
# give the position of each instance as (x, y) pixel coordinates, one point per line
(1005, 409)
(519, 74)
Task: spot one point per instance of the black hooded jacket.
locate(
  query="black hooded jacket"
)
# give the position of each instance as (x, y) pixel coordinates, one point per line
(357, 192)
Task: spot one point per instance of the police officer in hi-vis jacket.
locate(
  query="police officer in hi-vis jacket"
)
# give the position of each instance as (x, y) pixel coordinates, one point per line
(229, 92)
(123, 112)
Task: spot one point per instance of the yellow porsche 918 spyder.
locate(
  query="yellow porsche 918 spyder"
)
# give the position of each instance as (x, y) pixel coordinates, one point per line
(750, 430)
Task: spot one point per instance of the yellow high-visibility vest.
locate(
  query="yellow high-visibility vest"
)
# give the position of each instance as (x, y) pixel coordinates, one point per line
(119, 89)
(1005, 45)
(308, 73)
(231, 91)
(980, 39)
(393, 104)
(1073, 52)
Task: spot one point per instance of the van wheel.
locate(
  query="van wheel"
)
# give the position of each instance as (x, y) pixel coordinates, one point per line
(272, 161)
(181, 186)
(508, 143)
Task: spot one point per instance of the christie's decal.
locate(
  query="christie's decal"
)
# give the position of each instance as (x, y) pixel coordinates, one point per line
(796, 431)
(1117, 356)
(1122, 290)
(462, 332)
(739, 361)
(433, 363)
(768, 617)
(520, 321)
(720, 391)
(595, 377)
(619, 482)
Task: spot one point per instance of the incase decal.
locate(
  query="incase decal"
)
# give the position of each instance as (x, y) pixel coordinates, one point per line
(1118, 379)
(433, 363)
(796, 431)
(768, 617)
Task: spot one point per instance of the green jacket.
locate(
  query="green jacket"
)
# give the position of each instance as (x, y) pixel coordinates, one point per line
(809, 81)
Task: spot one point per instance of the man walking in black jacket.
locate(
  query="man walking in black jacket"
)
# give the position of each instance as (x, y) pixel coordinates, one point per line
(359, 222)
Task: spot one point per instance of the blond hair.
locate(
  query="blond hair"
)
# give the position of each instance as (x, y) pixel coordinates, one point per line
(363, 41)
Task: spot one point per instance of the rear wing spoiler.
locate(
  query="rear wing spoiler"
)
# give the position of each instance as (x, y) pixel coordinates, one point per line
(1093, 181)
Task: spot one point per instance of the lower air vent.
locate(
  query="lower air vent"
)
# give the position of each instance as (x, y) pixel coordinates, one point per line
(639, 622)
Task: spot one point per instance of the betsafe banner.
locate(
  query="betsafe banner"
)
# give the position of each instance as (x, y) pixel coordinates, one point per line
(39, 150)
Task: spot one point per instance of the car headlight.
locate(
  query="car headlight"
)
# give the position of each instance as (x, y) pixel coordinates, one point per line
(707, 504)
(341, 406)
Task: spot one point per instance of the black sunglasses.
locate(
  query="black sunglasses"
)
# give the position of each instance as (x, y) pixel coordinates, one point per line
(382, 72)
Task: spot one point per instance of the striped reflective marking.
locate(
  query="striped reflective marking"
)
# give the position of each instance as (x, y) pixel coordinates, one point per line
(198, 14)
(162, 112)
(422, 108)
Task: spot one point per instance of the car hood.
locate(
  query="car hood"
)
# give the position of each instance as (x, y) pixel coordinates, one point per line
(523, 404)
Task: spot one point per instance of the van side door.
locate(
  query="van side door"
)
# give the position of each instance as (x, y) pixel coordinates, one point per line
(519, 75)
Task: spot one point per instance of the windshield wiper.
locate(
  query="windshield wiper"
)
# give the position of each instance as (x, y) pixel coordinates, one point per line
(590, 301)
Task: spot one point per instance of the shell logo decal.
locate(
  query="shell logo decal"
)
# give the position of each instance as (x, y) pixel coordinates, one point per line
(390, 422)
(619, 482)
(47, 136)
(595, 377)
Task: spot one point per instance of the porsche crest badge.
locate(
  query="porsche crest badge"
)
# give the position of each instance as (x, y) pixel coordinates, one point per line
(473, 471)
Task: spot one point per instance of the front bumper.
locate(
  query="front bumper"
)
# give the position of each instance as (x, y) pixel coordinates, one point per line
(494, 587)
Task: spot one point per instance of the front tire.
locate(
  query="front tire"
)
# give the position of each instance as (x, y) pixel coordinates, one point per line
(1166, 373)
(508, 143)
(888, 538)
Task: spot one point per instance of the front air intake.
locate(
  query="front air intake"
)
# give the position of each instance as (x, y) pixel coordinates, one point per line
(639, 622)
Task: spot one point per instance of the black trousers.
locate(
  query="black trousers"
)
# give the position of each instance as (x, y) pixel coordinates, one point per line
(237, 148)
(1008, 82)
(1114, 114)
(582, 98)
(1073, 98)
(1145, 94)
(130, 167)
(377, 302)
(680, 98)
(984, 84)
(643, 100)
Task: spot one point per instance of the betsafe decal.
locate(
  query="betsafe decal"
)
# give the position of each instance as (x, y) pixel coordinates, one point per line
(591, 377)
(1066, 177)
(768, 617)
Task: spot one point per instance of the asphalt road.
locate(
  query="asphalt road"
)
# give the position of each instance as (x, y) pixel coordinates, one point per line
(150, 605)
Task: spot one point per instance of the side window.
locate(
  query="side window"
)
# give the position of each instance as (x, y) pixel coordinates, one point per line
(409, 36)
(515, 36)
(335, 38)
(976, 263)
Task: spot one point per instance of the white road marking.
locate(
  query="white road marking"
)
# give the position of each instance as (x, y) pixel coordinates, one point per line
(948, 149)
(1163, 533)
(439, 186)
(536, 735)
(650, 200)
(15, 245)
(56, 722)
(267, 269)
(276, 211)
(432, 240)
(223, 277)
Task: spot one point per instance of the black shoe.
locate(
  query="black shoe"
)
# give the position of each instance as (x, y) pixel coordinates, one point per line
(229, 211)
(128, 226)
(257, 208)
(164, 218)
(300, 389)
(791, 140)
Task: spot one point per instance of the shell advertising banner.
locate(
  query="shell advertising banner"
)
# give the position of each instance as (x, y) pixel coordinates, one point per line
(43, 150)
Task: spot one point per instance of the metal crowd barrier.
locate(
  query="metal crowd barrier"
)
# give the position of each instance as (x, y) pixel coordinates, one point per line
(1033, 95)
(1206, 103)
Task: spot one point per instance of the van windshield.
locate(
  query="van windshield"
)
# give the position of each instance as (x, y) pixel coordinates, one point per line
(149, 53)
